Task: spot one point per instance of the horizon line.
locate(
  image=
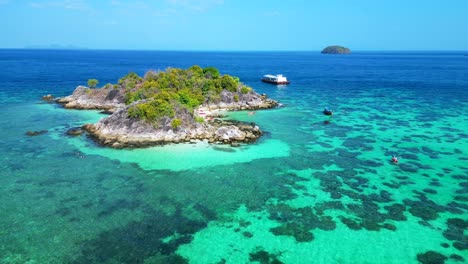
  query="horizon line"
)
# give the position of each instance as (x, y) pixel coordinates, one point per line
(216, 50)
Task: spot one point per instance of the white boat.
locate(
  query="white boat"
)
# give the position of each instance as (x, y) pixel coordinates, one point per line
(276, 79)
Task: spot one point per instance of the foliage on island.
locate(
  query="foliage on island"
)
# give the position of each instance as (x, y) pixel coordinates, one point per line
(92, 83)
(336, 50)
(166, 93)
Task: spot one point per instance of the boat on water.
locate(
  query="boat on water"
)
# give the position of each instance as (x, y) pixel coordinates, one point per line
(276, 79)
(327, 111)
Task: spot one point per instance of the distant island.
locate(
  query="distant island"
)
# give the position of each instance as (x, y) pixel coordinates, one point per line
(335, 50)
(172, 106)
(55, 47)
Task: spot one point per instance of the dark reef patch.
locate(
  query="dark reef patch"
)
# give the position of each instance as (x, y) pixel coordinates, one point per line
(409, 156)
(431, 191)
(455, 232)
(264, 257)
(351, 224)
(320, 208)
(431, 257)
(395, 212)
(346, 154)
(461, 245)
(392, 184)
(63, 211)
(461, 198)
(358, 143)
(247, 234)
(457, 258)
(224, 149)
(389, 226)
(456, 208)
(298, 231)
(137, 241)
(424, 208)
(119, 204)
(408, 167)
(460, 177)
(205, 211)
(298, 222)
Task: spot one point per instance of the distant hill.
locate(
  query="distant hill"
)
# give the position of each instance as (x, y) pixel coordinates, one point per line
(54, 46)
(335, 50)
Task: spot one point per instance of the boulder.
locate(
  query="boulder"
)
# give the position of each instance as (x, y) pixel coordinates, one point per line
(75, 131)
(48, 98)
(87, 98)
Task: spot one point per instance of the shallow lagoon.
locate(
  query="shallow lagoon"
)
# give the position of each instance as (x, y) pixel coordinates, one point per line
(312, 188)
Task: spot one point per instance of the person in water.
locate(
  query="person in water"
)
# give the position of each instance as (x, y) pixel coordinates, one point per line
(394, 159)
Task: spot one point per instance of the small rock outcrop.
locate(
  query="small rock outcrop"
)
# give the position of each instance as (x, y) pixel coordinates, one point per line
(48, 98)
(106, 98)
(35, 133)
(335, 50)
(248, 101)
(75, 131)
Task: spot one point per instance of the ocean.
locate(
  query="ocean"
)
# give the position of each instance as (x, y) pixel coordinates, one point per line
(312, 189)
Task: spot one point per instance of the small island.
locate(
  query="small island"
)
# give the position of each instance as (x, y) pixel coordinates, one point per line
(335, 50)
(172, 106)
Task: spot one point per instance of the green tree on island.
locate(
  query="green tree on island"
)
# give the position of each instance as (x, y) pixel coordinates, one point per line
(92, 83)
(165, 93)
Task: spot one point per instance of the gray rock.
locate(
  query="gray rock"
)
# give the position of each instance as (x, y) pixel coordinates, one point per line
(48, 98)
(75, 131)
(36, 133)
(87, 98)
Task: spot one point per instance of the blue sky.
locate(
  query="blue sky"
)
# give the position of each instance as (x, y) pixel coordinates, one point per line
(236, 24)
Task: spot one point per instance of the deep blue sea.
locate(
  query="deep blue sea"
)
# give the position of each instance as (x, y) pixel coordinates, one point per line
(313, 189)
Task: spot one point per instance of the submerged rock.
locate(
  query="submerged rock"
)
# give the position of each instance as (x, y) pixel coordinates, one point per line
(36, 133)
(262, 256)
(107, 112)
(48, 98)
(431, 257)
(299, 232)
(75, 131)
(457, 257)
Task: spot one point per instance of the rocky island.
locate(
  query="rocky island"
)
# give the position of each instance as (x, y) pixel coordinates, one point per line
(172, 106)
(335, 50)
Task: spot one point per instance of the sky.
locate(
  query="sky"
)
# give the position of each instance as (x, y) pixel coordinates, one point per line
(238, 25)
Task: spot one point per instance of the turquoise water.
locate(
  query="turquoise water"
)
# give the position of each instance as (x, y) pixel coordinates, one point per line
(313, 189)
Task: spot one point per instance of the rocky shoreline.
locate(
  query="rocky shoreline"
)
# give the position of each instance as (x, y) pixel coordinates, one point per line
(84, 98)
(218, 131)
(120, 130)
